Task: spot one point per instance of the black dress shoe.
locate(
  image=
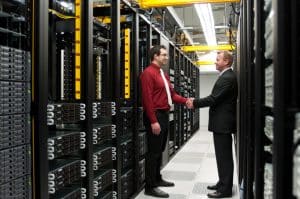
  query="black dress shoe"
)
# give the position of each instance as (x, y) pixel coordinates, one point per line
(212, 187)
(164, 183)
(156, 192)
(219, 195)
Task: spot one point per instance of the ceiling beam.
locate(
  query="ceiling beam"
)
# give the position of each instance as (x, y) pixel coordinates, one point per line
(165, 3)
(206, 48)
(204, 63)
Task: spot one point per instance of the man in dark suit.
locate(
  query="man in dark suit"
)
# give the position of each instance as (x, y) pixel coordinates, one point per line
(222, 122)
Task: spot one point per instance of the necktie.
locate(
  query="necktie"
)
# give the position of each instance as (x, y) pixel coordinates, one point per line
(166, 87)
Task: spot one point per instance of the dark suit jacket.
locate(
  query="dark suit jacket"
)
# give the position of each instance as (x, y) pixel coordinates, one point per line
(222, 103)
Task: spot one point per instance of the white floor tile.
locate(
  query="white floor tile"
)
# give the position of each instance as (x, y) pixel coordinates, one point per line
(192, 169)
(181, 167)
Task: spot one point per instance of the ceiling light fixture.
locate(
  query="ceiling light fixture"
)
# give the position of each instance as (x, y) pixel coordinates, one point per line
(221, 27)
(186, 28)
(223, 42)
(67, 5)
(205, 15)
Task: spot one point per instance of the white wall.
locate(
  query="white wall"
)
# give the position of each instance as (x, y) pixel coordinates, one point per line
(207, 82)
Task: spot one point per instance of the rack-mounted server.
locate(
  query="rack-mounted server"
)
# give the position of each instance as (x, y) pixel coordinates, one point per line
(142, 144)
(126, 155)
(65, 143)
(127, 184)
(19, 187)
(102, 157)
(103, 133)
(15, 163)
(103, 109)
(65, 113)
(64, 173)
(15, 130)
(102, 181)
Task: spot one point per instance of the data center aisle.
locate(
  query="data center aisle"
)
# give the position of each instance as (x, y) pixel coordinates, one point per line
(192, 169)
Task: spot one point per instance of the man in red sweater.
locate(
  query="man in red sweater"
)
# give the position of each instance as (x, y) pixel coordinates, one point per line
(157, 97)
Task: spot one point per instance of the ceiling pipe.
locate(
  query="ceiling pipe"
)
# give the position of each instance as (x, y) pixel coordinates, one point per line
(158, 3)
(163, 20)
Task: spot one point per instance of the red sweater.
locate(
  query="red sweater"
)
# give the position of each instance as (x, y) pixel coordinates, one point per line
(154, 95)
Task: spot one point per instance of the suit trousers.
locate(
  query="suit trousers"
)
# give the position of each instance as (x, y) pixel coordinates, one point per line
(156, 144)
(224, 158)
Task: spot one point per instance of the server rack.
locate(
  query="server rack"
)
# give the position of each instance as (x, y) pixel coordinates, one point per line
(155, 38)
(182, 92)
(196, 93)
(276, 99)
(172, 131)
(105, 152)
(245, 69)
(62, 108)
(145, 42)
(15, 100)
(129, 67)
(189, 94)
(130, 141)
(177, 108)
(88, 136)
(259, 98)
(39, 98)
(285, 108)
(295, 100)
(183, 122)
(15, 97)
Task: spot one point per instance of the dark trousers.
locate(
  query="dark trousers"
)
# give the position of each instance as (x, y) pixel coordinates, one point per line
(156, 144)
(223, 150)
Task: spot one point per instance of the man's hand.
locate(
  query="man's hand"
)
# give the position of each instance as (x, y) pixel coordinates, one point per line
(155, 128)
(189, 103)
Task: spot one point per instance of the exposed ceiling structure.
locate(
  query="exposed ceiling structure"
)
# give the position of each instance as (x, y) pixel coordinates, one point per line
(185, 19)
(185, 27)
(224, 19)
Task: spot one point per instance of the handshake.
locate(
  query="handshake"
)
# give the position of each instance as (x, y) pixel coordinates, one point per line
(190, 103)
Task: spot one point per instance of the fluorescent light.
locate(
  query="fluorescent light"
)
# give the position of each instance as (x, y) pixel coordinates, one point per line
(66, 5)
(221, 27)
(205, 15)
(223, 42)
(186, 28)
(180, 24)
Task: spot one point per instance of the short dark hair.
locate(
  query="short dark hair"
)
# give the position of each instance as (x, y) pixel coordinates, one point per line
(155, 50)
